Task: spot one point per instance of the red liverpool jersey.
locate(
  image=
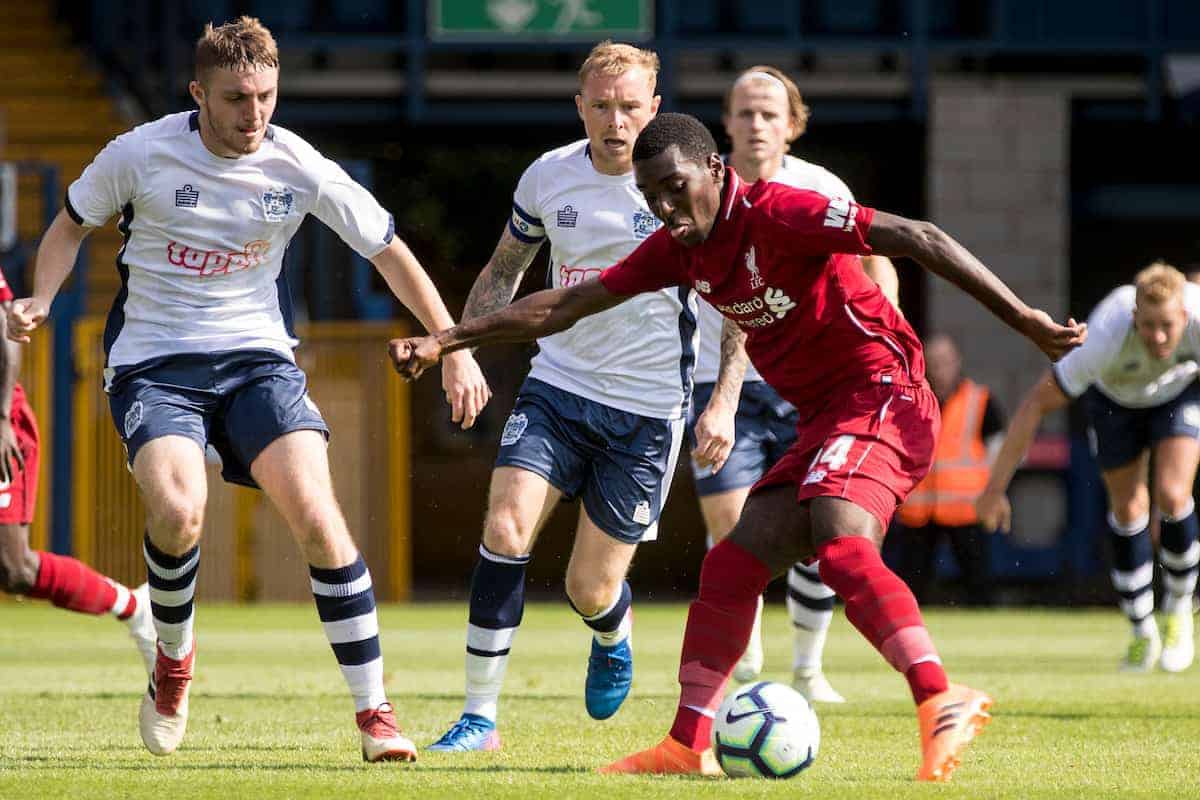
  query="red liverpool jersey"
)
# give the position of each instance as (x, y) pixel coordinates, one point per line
(775, 264)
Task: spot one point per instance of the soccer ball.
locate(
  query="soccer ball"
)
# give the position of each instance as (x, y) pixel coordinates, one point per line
(765, 730)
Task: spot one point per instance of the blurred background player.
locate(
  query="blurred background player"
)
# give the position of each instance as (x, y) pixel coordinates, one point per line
(943, 504)
(64, 581)
(600, 416)
(770, 257)
(199, 351)
(763, 114)
(1137, 377)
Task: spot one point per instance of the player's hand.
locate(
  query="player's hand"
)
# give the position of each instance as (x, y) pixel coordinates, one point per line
(1053, 339)
(467, 391)
(413, 356)
(995, 512)
(24, 316)
(714, 436)
(10, 452)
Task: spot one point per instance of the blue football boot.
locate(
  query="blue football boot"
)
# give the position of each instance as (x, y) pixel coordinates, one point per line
(471, 732)
(609, 675)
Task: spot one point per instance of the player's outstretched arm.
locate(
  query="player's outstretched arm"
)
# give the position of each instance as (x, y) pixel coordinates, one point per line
(55, 259)
(939, 253)
(715, 427)
(466, 389)
(539, 314)
(992, 505)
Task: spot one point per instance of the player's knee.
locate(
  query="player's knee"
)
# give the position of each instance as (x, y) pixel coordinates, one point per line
(1130, 509)
(591, 594)
(1172, 501)
(504, 535)
(178, 520)
(18, 569)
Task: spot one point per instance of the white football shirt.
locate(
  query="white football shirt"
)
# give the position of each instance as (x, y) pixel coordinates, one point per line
(639, 356)
(1115, 360)
(795, 172)
(201, 267)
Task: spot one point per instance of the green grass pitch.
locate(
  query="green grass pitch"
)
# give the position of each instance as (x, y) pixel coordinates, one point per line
(270, 717)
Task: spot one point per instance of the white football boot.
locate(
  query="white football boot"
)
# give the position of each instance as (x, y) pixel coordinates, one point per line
(381, 736)
(1179, 643)
(812, 683)
(164, 713)
(1143, 652)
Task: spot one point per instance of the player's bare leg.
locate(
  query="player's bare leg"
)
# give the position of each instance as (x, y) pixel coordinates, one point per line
(598, 591)
(1175, 461)
(519, 503)
(170, 474)
(73, 585)
(294, 472)
(1133, 559)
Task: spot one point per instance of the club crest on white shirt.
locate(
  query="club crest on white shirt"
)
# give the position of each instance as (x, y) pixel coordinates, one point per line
(277, 203)
(644, 224)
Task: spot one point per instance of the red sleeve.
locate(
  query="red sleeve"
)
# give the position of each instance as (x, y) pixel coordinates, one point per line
(5, 292)
(817, 225)
(655, 264)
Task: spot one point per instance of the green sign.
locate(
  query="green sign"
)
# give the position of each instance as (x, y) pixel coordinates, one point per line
(548, 20)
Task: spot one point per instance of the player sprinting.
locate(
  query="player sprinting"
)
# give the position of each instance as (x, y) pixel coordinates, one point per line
(823, 334)
(1136, 375)
(64, 581)
(763, 114)
(600, 416)
(199, 351)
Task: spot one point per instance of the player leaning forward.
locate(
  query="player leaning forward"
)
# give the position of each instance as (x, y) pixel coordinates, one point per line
(600, 416)
(1137, 378)
(199, 350)
(823, 335)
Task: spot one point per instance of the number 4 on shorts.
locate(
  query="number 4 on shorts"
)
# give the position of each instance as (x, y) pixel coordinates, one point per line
(830, 458)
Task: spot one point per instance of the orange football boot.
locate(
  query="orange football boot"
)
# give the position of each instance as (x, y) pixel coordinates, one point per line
(949, 721)
(668, 757)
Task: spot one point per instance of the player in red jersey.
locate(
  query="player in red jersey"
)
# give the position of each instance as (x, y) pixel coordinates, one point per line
(64, 581)
(823, 335)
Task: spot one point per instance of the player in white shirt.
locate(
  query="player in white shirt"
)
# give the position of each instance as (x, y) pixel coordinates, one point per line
(763, 114)
(1136, 374)
(600, 417)
(199, 351)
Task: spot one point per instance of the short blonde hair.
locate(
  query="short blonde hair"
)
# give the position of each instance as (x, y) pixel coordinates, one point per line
(1158, 283)
(797, 111)
(612, 58)
(244, 44)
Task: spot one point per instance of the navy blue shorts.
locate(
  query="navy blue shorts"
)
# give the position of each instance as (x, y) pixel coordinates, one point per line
(619, 463)
(764, 428)
(238, 401)
(1118, 435)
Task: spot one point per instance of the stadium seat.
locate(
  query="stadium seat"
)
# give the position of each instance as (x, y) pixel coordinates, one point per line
(703, 16)
(293, 15)
(361, 14)
(850, 16)
(214, 11)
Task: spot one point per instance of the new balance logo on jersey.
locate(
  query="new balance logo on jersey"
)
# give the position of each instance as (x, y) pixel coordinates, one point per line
(704, 287)
(778, 302)
(756, 281)
(567, 217)
(186, 197)
(841, 213)
(212, 262)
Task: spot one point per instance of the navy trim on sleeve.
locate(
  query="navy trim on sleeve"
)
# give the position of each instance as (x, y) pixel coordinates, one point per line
(524, 237)
(525, 215)
(391, 230)
(71, 212)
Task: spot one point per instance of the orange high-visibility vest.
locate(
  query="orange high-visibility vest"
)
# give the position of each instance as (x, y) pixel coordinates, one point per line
(959, 473)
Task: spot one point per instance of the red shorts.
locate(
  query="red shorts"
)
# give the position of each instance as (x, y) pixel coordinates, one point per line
(870, 447)
(17, 499)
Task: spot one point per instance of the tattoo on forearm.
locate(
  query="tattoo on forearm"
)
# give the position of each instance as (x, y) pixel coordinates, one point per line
(498, 282)
(733, 363)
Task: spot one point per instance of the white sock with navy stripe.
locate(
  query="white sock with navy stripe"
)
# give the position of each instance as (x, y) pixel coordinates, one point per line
(346, 604)
(1180, 557)
(810, 605)
(1133, 571)
(497, 605)
(172, 581)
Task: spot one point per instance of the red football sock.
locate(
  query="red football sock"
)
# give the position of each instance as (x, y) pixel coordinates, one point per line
(69, 583)
(884, 610)
(718, 629)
